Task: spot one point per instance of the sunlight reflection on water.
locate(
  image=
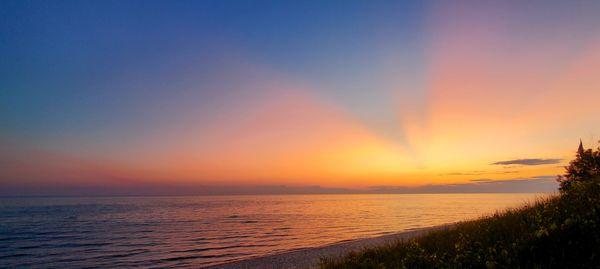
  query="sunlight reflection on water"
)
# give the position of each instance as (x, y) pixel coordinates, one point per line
(206, 230)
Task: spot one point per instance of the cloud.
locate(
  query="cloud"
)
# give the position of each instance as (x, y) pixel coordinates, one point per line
(528, 162)
(160, 189)
(479, 172)
(539, 184)
(481, 180)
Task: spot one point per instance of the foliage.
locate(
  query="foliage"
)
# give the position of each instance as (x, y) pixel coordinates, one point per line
(562, 231)
(586, 165)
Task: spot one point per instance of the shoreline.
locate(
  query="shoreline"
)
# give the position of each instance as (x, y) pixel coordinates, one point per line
(309, 257)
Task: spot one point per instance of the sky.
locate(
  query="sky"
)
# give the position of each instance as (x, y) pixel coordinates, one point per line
(146, 97)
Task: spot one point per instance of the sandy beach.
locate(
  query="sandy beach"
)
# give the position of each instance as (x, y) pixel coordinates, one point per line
(309, 257)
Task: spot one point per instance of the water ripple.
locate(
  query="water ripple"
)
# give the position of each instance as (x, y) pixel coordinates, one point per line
(192, 232)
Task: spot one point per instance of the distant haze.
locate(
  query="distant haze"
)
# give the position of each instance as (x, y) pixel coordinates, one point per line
(545, 184)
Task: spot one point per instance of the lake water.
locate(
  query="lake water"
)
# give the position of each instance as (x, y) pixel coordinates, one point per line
(207, 230)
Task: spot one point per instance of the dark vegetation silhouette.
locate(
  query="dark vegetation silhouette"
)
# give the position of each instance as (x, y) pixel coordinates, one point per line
(585, 166)
(561, 231)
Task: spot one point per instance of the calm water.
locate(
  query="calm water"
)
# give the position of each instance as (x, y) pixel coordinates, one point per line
(201, 231)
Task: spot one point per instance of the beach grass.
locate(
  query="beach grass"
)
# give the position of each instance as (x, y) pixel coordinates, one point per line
(560, 231)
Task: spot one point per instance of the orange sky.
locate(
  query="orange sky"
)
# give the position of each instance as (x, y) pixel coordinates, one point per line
(484, 84)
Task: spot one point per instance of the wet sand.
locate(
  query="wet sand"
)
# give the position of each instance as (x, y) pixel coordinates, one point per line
(309, 257)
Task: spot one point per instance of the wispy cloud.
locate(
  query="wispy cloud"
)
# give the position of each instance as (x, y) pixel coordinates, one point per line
(479, 172)
(533, 161)
(537, 178)
(541, 184)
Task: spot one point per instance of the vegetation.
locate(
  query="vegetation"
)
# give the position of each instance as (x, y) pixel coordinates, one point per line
(562, 231)
(586, 165)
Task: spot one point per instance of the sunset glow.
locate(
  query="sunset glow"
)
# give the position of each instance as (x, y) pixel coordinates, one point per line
(210, 94)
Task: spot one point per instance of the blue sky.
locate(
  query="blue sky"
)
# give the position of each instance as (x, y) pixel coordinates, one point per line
(64, 60)
(334, 93)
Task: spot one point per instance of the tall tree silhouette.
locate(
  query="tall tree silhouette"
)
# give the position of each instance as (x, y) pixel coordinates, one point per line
(584, 167)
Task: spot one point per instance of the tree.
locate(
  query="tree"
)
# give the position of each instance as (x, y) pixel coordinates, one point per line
(584, 167)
